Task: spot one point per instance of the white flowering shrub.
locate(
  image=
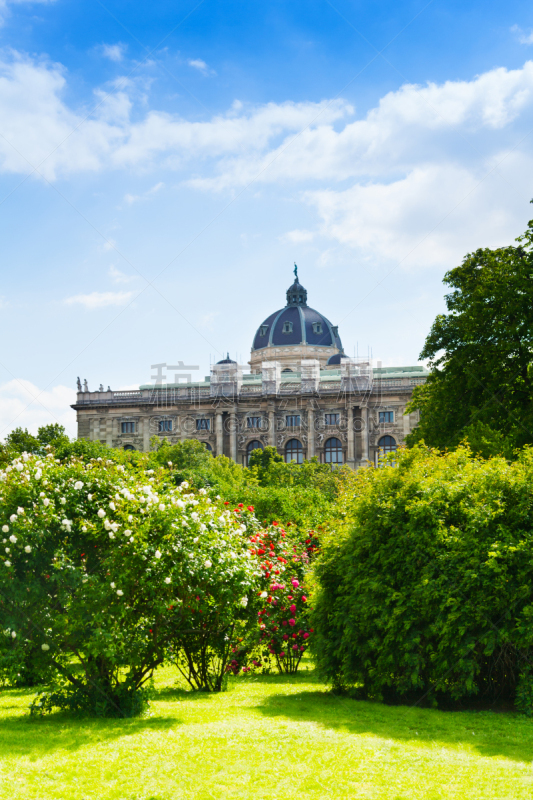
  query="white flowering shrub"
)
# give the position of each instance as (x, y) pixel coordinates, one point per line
(107, 570)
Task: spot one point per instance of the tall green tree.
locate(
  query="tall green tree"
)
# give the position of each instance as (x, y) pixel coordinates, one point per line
(481, 381)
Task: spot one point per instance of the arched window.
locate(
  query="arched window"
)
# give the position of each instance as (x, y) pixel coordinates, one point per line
(387, 444)
(255, 445)
(333, 451)
(129, 447)
(294, 451)
(208, 447)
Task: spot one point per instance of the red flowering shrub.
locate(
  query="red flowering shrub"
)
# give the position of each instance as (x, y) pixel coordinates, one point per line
(283, 629)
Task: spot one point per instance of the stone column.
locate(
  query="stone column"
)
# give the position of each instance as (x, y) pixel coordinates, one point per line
(310, 432)
(219, 434)
(351, 442)
(109, 432)
(146, 434)
(406, 423)
(364, 433)
(272, 428)
(233, 435)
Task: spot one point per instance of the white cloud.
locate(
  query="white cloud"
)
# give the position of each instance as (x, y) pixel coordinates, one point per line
(276, 142)
(100, 299)
(41, 130)
(22, 404)
(385, 183)
(201, 66)
(522, 36)
(405, 220)
(207, 320)
(120, 277)
(299, 237)
(5, 4)
(129, 199)
(413, 125)
(115, 52)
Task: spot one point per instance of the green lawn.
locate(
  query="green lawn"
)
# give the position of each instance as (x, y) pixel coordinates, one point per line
(271, 737)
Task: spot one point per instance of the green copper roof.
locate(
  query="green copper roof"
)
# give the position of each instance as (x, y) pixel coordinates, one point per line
(326, 375)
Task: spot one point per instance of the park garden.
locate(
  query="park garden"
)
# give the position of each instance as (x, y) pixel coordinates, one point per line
(366, 635)
(174, 625)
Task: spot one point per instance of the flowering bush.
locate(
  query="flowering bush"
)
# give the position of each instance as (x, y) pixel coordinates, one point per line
(284, 615)
(280, 604)
(107, 569)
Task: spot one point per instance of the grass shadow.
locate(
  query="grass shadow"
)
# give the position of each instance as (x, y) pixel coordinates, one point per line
(170, 693)
(35, 737)
(489, 734)
(303, 677)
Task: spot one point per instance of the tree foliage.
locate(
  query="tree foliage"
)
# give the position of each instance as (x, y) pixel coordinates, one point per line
(20, 440)
(481, 381)
(426, 591)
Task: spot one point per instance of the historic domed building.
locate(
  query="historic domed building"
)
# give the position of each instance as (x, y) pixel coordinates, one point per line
(295, 332)
(303, 395)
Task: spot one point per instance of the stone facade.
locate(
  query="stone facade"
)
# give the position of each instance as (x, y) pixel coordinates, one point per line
(223, 422)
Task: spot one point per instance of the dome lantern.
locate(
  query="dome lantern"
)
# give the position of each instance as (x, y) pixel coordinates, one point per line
(293, 333)
(296, 294)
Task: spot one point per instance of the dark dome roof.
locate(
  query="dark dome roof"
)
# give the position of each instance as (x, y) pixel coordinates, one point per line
(296, 324)
(336, 359)
(227, 360)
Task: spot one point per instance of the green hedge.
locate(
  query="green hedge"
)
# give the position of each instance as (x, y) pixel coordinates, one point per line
(426, 591)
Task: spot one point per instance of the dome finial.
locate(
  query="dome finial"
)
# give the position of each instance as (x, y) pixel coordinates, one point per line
(295, 271)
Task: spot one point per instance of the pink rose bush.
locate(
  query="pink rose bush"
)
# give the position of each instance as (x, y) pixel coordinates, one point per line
(282, 608)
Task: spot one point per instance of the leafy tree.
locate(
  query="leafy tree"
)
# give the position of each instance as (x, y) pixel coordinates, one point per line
(20, 440)
(262, 461)
(187, 454)
(481, 354)
(53, 434)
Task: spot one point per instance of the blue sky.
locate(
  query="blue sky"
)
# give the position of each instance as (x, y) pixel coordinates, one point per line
(162, 165)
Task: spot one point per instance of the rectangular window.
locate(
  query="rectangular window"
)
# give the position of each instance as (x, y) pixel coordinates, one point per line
(292, 421)
(128, 427)
(332, 419)
(386, 416)
(253, 422)
(287, 327)
(203, 424)
(263, 330)
(317, 327)
(165, 425)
